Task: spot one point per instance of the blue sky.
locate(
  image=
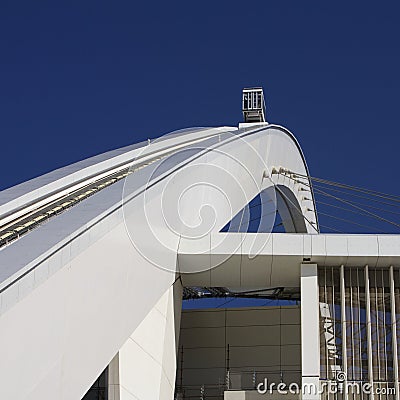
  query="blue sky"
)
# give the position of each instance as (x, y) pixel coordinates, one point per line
(81, 78)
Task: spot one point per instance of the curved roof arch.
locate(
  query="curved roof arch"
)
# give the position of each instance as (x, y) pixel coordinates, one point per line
(84, 257)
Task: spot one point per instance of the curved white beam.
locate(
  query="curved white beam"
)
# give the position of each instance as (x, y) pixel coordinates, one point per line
(32, 194)
(74, 289)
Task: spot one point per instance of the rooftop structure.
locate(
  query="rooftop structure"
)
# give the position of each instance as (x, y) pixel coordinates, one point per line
(253, 105)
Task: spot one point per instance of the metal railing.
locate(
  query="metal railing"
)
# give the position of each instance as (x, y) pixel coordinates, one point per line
(249, 380)
(235, 380)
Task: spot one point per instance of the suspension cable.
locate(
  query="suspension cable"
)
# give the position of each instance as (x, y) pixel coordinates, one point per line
(348, 221)
(353, 195)
(360, 204)
(348, 203)
(386, 196)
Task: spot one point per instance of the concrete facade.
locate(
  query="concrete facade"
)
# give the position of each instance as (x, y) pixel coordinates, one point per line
(251, 343)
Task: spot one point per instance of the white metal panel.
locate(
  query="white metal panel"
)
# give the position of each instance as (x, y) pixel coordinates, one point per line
(310, 367)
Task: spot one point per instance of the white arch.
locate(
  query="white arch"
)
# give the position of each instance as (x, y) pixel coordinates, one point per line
(75, 289)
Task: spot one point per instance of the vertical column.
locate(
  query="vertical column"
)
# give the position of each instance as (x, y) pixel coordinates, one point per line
(368, 323)
(145, 366)
(310, 349)
(113, 379)
(344, 326)
(394, 333)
